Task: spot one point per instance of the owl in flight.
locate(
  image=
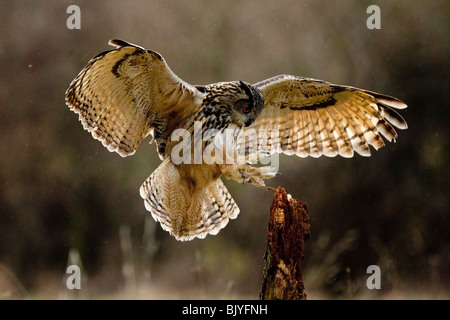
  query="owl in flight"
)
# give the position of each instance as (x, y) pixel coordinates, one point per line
(125, 94)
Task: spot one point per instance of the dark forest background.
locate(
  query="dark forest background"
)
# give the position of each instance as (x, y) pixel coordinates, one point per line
(65, 199)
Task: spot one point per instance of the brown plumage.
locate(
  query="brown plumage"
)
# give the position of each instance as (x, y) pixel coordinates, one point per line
(128, 93)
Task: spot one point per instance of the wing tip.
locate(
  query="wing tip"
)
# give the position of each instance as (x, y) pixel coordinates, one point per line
(390, 101)
(117, 43)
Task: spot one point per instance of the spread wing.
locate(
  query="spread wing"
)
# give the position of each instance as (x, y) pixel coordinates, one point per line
(122, 94)
(309, 117)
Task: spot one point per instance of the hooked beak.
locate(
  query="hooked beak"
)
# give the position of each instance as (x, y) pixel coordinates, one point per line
(248, 122)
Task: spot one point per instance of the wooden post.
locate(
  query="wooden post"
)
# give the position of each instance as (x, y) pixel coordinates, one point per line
(287, 232)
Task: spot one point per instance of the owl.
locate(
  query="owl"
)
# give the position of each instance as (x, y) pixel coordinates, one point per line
(128, 93)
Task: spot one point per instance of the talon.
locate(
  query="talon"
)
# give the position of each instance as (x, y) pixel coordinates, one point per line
(262, 186)
(244, 178)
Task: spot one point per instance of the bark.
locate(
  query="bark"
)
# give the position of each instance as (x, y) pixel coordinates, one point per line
(288, 230)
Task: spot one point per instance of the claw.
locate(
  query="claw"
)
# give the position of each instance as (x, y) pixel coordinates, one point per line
(263, 154)
(247, 174)
(267, 188)
(261, 185)
(244, 178)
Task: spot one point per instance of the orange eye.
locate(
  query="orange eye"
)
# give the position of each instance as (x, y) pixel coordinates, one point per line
(246, 109)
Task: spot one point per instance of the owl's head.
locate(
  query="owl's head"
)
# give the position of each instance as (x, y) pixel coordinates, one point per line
(241, 101)
(249, 104)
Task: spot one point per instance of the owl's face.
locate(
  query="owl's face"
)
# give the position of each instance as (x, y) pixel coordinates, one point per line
(239, 100)
(248, 104)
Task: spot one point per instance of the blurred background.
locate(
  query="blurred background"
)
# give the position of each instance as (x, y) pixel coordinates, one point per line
(64, 199)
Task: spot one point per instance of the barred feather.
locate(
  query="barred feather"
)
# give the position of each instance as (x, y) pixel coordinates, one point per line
(121, 93)
(183, 212)
(317, 118)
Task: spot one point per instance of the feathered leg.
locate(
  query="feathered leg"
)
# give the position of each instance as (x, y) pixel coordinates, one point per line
(245, 173)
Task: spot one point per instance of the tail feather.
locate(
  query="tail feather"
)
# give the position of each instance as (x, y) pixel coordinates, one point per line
(152, 193)
(218, 208)
(186, 214)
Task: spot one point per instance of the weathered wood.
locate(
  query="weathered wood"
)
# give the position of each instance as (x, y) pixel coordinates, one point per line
(288, 230)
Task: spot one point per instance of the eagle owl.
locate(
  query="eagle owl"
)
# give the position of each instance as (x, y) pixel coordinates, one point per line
(125, 94)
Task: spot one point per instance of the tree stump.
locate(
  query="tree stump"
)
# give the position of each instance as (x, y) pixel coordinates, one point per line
(288, 230)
